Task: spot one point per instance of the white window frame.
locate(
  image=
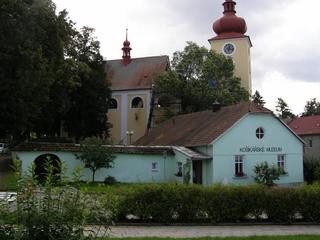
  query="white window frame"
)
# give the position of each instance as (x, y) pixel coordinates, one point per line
(281, 163)
(239, 166)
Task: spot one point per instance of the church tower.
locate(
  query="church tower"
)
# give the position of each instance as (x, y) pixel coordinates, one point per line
(231, 41)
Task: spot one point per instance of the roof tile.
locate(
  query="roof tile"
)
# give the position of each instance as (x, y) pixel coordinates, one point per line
(200, 128)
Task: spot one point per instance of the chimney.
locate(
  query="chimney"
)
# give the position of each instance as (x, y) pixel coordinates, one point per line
(216, 106)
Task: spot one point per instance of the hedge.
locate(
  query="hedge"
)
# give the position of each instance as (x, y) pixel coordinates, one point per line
(170, 203)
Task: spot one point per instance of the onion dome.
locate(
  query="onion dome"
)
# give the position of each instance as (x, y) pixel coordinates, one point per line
(126, 58)
(230, 23)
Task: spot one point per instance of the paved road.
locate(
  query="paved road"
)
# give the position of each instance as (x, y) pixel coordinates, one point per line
(213, 231)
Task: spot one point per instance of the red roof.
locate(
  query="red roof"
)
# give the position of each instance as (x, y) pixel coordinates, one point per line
(200, 128)
(230, 25)
(309, 125)
(138, 74)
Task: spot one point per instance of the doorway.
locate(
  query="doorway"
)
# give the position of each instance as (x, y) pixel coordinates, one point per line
(42, 165)
(197, 172)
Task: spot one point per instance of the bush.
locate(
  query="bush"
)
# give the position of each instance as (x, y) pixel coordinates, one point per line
(309, 197)
(311, 167)
(266, 174)
(167, 203)
(51, 212)
(282, 204)
(110, 180)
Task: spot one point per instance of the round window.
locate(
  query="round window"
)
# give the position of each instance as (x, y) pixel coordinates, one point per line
(260, 133)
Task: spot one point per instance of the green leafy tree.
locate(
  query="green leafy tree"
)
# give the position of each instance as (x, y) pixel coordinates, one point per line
(89, 100)
(265, 174)
(312, 107)
(51, 74)
(197, 78)
(95, 155)
(283, 109)
(258, 99)
(31, 52)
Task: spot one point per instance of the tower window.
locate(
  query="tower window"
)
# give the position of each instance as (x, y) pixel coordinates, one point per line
(113, 104)
(137, 102)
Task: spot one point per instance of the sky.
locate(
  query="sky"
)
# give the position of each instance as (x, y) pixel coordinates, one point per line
(285, 34)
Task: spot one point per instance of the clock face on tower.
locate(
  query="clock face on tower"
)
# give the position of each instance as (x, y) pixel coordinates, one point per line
(229, 49)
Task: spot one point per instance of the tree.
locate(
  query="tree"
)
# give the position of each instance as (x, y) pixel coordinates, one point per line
(31, 52)
(197, 78)
(89, 100)
(95, 155)
(258, 99)
(312, 107)
(266, 174)
(50, 74)
(283, 109)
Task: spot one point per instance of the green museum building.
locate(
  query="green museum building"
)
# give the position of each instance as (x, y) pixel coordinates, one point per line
(221, 145)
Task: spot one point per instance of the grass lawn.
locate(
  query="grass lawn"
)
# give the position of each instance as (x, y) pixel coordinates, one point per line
(230, 238)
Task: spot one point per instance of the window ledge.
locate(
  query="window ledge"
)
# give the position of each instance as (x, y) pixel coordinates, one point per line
(154, 170)
(240, 177)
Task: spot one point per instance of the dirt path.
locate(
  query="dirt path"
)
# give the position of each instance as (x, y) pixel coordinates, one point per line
(213, 231)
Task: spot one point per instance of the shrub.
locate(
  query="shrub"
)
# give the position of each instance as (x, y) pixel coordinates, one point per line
(266, 174)
(110, 180)
(50, 212)
(309, 197)
(281, 204)
(311, 167)
(167, 203)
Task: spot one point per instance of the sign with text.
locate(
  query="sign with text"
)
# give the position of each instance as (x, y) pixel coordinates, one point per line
(260, 149)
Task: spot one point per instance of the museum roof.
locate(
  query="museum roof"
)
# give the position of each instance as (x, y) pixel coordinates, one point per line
(138, 74)
(131, 149)
(309, 125)
(72, 147)
(199, 128)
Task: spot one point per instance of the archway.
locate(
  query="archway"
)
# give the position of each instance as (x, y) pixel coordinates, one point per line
(42, 166)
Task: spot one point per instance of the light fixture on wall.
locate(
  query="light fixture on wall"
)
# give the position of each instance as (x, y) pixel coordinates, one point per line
(129, 134)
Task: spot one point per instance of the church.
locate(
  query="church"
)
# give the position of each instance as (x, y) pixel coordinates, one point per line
(133, 108)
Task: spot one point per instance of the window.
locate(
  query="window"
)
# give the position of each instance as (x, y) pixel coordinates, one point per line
(137, 102)
(154, 167)
(281, 163)
(310, 143)
(260, 133)
(113, 104)
(238, 166)
(179, 169)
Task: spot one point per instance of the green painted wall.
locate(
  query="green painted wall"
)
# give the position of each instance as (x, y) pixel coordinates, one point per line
(127, 167)
(244, 134)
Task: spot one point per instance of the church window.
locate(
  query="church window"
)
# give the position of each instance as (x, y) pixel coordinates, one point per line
(113, 104)
(137, 102)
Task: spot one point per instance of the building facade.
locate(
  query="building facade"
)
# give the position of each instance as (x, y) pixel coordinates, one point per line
(220, 146)
(308, 128)
(232, 42)
(132, 102)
